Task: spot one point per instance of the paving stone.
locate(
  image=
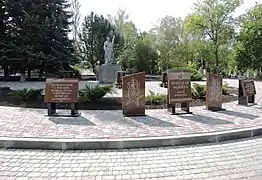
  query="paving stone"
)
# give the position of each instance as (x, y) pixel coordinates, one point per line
(23, 122)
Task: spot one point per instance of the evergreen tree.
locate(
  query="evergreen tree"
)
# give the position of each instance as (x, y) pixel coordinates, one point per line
(36, 35)
(93, 34)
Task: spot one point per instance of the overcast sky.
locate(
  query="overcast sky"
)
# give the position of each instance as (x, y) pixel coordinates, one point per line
(145, 13)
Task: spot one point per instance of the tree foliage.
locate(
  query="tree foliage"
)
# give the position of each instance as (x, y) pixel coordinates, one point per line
(36, 36)
(248, 48)
(93, 34)
(214, 20)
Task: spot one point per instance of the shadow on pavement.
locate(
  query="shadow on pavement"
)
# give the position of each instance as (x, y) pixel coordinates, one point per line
(151, 121)
(239, 114)
(206, 120)
(114, 117)
(72, 121)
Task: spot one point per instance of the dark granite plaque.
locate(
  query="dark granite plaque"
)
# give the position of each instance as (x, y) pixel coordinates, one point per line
(248, 86)
(179, 90)
(61, 91)
(133, 97)
(179, 87)
(214, 92)
(246, 92)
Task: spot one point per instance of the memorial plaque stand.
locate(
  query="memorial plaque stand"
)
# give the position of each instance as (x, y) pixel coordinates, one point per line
(246, 95)
(184, 107)
(62, 91)
(214, 92)
(179, 91)
(51, 110)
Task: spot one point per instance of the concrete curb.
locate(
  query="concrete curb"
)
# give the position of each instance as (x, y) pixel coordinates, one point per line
(148, 142)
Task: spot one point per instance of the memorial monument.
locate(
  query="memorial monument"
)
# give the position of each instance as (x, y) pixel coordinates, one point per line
(107, 73)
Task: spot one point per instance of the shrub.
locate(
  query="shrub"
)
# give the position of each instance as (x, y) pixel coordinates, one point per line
(196, 76)
(27, 94)
(198, 91)
(155, 99)
(91, 94)
(225, 89)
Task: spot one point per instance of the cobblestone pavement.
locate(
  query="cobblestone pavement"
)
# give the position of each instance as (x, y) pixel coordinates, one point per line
(25, 122)
(231, 160)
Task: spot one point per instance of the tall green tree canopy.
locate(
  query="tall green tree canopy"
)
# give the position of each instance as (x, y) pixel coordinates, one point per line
(214, 19)
(248, 52)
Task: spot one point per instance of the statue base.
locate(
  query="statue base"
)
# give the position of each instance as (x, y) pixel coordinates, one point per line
(107, 73)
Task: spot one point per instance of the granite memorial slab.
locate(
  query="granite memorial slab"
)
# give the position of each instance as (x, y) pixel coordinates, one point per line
(214, 92)
(246, 92)
(179, 90)
(61, 91)
(133, 94)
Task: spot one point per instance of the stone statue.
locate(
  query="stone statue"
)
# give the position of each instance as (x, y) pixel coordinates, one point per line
(109, 50)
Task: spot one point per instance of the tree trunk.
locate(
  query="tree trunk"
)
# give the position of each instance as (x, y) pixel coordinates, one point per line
(6, 72)
(216, 54)
(22, 79)
(40, 74)
(29, 72)
(93, 67)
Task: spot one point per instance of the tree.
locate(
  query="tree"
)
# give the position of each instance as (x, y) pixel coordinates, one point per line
(247, 51)
(213, 18)
(94, 31)
(38, 35)
(128, 32)
(76, 18)
(4, 53)
(145, 55)
(172, 42)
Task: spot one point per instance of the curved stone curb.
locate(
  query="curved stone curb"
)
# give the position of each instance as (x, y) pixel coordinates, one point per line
(148, 142)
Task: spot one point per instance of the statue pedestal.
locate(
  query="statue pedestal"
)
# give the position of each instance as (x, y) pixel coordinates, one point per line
(107, 73)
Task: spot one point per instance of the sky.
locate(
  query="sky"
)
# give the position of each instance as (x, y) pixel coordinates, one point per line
(146, 13)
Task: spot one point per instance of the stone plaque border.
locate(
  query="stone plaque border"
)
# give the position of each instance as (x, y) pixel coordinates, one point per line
(243, 98)
(171, 106)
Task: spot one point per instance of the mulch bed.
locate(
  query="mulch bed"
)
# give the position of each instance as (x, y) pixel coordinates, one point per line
(8, 99)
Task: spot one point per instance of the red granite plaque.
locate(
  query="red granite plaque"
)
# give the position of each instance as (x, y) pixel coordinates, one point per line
(179, 86)
(214, 92)
(61, 91)
(133, 94)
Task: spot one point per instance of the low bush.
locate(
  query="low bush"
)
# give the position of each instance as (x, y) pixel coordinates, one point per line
(155, 98)
(198, 91)
(196, 76)
(95, 93)
(27, 94)
(226, 88)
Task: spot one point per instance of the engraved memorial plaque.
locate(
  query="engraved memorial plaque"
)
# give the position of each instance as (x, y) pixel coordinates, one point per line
(179, 86)
(214, 92)
(61, 91)
(133, 97)
(248, 87)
